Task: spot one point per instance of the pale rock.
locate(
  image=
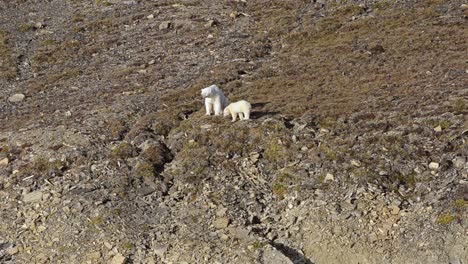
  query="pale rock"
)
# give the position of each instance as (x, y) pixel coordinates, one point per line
(210, 23)
(94, 255)
(394, 210)
(4, 162)
(438, 129)
(32, 197)
(106, 244)
(356, 163)
(16, 98)
(329, 177)
(221, 223)
(12, 250)
(272, 255)
(433, 165)
(150, 16)
(118, 259)
(459, 162)
(160, 249)
(38, 25)
(221, 212)
(165, 25)
(324, 130)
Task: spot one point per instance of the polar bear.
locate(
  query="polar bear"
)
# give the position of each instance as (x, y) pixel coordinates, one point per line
(241, 108)
(214, 98)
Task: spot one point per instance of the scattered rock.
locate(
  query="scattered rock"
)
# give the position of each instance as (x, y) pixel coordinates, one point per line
(160, 249)
(234, 15)
(68, 113)
(131, 2)
(464, 6)
(356, 163)
(324, 130)
(150, 16)
(39, 25)
(4, 162)
(459, 162)
(94, 256)
(433, 165)
(33, 197)
(210, 23)
(438, 129)
(16, 98)
(221, 212)
(394, 210)
(12, 250)
(118, 259)
(165, 25)
(272, 255)
(329, 177)
(221, 223)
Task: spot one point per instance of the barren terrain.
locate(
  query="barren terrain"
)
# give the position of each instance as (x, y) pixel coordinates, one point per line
(356, 151)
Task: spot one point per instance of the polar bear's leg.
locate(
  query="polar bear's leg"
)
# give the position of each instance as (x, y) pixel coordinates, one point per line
(233, 117)
(208, 107)
(246, 115)
(241, 116)
(218, 108)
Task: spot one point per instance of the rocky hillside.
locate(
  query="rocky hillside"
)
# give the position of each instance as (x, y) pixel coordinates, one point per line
(356, 151)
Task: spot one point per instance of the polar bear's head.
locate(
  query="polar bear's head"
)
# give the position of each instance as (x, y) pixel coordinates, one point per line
(210, 91)
(226, 111)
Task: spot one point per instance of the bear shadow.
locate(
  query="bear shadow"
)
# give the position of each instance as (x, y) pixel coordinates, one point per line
(260, 114)
(295, 256)
(259, 104)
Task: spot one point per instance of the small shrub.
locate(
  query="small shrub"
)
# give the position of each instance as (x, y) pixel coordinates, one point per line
(461, 203)
(445, 219)
(25, 27)
(96, 221)
(279, 190)
(258, 244)
(274, 151)
(145, 170)
(124, 150)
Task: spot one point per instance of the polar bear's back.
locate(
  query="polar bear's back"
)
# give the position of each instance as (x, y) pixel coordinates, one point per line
(241, 106)
(224, 100)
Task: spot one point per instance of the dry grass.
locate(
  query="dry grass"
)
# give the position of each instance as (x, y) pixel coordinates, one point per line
(8, 68)
(331, 65)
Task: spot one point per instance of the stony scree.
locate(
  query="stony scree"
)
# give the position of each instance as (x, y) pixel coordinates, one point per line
(355, 151)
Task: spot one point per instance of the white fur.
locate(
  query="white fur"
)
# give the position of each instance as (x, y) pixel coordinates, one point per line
(241, 108)
(214, 98)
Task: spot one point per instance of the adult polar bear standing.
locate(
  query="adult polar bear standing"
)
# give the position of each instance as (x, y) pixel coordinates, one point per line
(214, 98)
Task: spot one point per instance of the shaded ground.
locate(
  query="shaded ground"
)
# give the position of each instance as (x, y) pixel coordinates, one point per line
(356, 152)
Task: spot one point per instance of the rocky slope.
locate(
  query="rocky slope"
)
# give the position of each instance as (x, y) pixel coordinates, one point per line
(356, 151)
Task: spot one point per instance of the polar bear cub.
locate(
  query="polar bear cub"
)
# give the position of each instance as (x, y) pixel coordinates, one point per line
(241, 108)
(214, 98)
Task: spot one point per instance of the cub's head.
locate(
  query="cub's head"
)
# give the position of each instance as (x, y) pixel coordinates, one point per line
(209, 91)
(226, 111)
